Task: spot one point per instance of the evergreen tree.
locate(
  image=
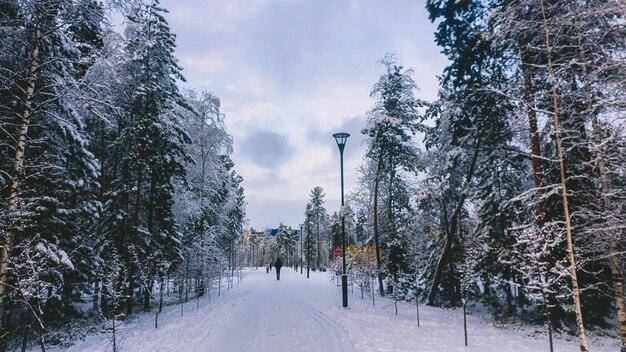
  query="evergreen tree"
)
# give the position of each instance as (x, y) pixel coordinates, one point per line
(335, 230)
(474, 131)
(391, 124)
(49, 174)
(150, 145)
(319, 218)
(286, 242)
(583, 37)
(310, 240)
(549, 50)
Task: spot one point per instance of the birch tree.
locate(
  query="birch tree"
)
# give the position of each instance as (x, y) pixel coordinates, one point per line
(42, 132)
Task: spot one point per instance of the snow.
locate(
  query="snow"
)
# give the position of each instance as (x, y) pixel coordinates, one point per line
(300, 314)
(65, 259)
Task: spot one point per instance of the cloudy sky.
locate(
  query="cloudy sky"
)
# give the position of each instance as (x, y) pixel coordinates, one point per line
(289, 74)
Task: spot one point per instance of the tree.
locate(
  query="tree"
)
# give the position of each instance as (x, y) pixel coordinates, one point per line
(310, 241)
(568, 227)
(286, 242)
(194, 207)
(549, 50)
(48, 181)
(151, 143)
(391, 123)
(97, 157)
(319, 218)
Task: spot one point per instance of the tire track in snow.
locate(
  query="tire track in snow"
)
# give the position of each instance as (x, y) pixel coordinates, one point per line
(337, 338)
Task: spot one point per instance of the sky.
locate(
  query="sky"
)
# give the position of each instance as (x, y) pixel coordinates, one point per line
(289, 74)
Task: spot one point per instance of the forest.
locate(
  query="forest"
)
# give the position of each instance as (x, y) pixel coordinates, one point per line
(508, 190)
(114, 182)
(119, 193)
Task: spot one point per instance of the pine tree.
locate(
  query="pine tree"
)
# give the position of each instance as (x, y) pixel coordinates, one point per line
(335, 230)
(310, 241)
(286, 242)
(391, 124)
(150, 147)
(319, 218)
(50, 178)
(475, 132)
(583, 37)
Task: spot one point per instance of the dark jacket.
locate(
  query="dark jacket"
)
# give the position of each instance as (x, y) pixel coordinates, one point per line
(278, 264)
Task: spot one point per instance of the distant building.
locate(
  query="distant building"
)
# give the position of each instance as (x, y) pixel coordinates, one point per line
(273, 232)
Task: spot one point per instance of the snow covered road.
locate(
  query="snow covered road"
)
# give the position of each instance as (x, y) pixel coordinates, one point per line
(299, 314)
(273, 315)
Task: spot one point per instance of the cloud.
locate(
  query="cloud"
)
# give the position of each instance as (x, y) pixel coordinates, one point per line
(245, 115)
(289, 74)
(270, 213)
(254, 85)
(200, 65)
(266, 149)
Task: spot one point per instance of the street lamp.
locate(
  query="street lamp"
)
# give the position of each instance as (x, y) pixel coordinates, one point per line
(341, 139)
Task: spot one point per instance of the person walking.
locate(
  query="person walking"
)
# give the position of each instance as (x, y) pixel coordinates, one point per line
(278, 264)
(271, 265)
(267, 266)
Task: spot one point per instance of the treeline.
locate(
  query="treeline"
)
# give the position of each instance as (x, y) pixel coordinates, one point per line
(509, 189)
(115, 184)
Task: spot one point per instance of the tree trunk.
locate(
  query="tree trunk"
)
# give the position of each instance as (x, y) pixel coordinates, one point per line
(136, 218)
(319, 242)
(9, 235)
(136, 223)
(534, 135)
(508, 293)
(618, 285)
(186, 281)
(538, 173)
(521, 295)
(376, 235)
(147, 293)
(614, 253)
(151, 202)
(130, 289)
(149, 277)
(549, 318)
(122, 236)
(417, 308)
(465, 320)
(445, 254)
(96, 295)
(308, 253)
(568, 229)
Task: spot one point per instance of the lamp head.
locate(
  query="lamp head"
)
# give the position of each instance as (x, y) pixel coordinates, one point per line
(341, 139)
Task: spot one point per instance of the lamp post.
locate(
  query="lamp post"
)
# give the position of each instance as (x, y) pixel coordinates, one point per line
(341, 139)
(301, 261)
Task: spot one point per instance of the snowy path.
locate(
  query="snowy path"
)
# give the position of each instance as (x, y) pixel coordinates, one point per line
(269, 315)
(299, 314)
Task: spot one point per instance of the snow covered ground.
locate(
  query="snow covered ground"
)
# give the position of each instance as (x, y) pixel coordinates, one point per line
(299, 314)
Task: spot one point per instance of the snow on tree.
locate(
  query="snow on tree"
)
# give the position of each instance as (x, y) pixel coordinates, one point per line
(391, 123)
(319, 218)
(286, 243)
(95, 144)
(49, 173)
